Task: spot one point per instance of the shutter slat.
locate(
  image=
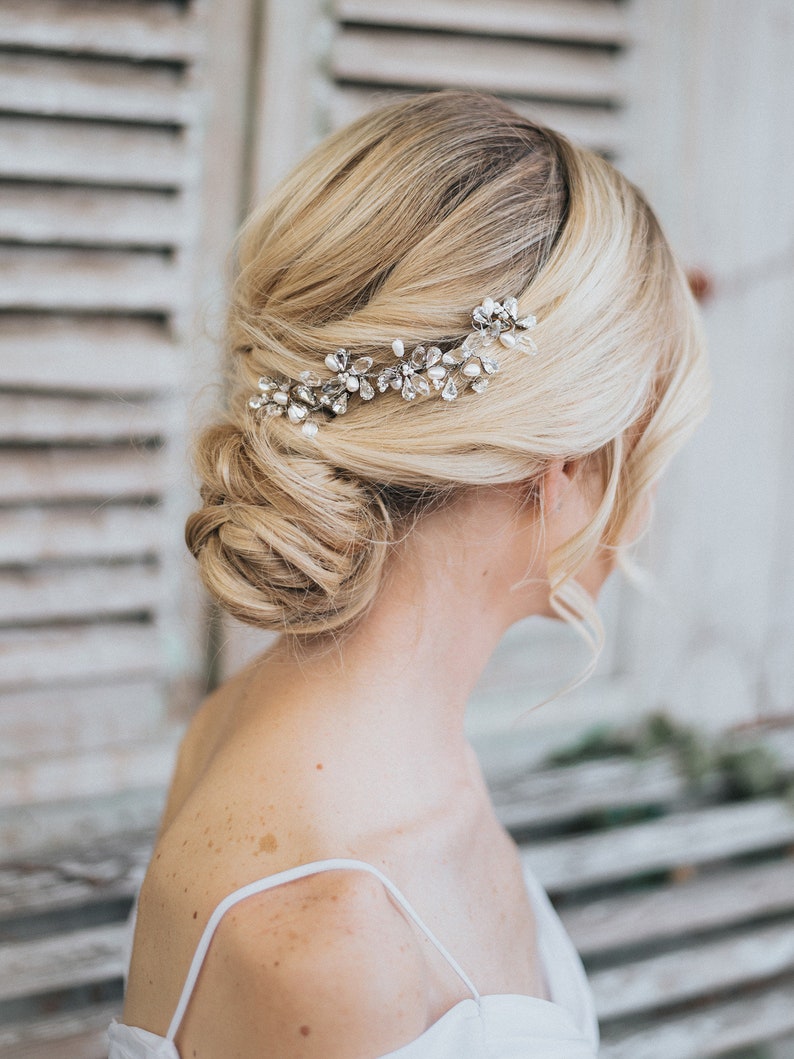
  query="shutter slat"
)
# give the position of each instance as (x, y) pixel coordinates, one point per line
(90, 216)
(598, 128)
(57, 594)
(28, 418)
(738, 1022)
(85, 775)
(62, 961)
(709, 967)
(33, 535)
(703, 903)
(93, 152)
(89, 355)
(87, 280)
(422, 59)
(591, 21)
(60, 474)
(31, 658)
(76, 717)
(140, 31)
(92, 89)
(686, 838)
(76, 1034)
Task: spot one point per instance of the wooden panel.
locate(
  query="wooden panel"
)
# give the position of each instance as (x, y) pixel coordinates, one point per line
(79, 474)
(92, 152)
(51, 594)
(79, 717)
(93, 355)
(84, 88)
(80, 877)
(92, 280)
(140, 31)
(94, 773)
(29, 658)
(41, 830)
(592, 21)
(736, 1023)
(46, 417)
(90, 216)
(404, 58)
(684, 838)
(598, 128)
(62, 961)
(80, 1034)
(708, 967)
(33, 535)
(561, 793)
(716, 900)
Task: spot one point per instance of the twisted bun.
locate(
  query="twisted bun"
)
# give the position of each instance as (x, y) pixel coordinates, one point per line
(284, 541)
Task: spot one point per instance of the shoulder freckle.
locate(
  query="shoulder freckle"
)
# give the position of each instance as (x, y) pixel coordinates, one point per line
(268, 843)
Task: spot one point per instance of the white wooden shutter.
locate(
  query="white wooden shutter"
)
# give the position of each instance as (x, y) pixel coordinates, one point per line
(100, 105)
(558, 60)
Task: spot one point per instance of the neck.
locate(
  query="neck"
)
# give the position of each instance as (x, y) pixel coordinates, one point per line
(388, 698)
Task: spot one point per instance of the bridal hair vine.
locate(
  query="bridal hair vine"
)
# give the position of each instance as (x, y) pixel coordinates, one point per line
(415, 374)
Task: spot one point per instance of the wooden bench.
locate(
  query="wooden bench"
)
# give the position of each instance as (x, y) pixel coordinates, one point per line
(683, 910)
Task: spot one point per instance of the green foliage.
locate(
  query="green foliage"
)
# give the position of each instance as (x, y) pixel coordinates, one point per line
(732, 769)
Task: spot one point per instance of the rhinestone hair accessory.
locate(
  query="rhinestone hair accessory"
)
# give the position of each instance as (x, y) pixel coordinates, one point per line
(419, 373)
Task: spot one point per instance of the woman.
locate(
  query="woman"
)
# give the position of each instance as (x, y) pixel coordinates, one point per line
(408, 466)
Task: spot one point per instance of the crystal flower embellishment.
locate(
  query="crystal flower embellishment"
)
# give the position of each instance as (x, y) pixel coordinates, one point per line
(418, 373)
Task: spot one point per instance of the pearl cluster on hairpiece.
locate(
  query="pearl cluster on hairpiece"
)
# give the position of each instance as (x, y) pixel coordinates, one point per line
(415, 374)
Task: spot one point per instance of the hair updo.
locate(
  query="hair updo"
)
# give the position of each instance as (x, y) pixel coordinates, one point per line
(396, 227)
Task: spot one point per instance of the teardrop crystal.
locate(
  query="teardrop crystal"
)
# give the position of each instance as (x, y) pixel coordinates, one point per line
(362, 364)
(422, 385)
(255, 402)
(450, 360)
(526, 323)
(366, 389)
(305, 394)
(480, 385)
(311, 378)
(339, 405)
(266, 384)
(433, 356)
(511, 305)
(297, 413)
(450, 391)
(408, 389)
(418, 357)
(490, 365)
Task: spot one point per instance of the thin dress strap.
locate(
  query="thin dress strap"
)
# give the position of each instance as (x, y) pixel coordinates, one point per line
(300, 872)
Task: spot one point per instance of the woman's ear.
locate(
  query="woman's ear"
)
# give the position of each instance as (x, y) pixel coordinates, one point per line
(554, 484)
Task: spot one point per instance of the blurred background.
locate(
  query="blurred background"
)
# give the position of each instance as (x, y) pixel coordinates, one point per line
(134, 136)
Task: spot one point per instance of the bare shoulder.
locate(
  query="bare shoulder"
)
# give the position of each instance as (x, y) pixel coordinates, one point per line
(324, 966)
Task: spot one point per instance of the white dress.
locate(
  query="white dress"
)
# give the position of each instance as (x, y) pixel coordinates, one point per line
(496, 1026)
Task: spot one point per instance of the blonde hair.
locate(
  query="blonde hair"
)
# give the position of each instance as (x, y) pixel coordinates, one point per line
(398, 226)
